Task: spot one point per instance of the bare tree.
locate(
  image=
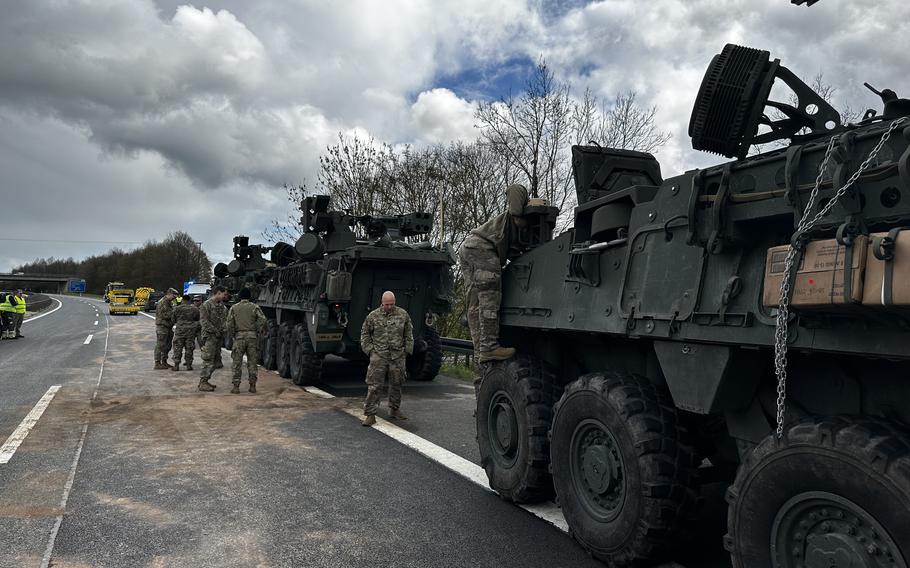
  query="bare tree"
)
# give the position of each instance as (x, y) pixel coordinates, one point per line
(531, 132)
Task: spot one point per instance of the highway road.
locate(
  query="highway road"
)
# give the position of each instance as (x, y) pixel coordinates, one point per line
(122, 465)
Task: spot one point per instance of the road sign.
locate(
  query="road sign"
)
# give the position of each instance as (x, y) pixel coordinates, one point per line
(186, 286)
(77, 286)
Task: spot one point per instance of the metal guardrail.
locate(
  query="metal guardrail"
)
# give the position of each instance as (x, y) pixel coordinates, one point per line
(454, 345)
(38, 303)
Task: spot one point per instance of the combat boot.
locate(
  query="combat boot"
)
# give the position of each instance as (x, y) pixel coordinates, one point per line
(159, 366)
(498, 354)
(368, 421)
(253, 387)
(206, 386)
(236, 389)
(175, 368)
(397, 415)
(189, 367)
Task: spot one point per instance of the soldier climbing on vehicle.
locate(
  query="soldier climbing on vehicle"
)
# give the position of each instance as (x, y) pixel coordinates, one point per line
(482, 256)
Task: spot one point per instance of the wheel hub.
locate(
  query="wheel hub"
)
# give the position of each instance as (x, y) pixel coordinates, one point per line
(502, 426)
(597, 470)
(823, 530)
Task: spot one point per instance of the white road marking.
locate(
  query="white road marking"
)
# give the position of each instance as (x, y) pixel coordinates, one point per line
(33, 318)
(88, 339)
(548, 512)
(18, 436)
(147, 315)
(49, 551)
(96, 322)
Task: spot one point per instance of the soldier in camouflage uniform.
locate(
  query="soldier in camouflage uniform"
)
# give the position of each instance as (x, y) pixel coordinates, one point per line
(387, 337)
(245, 321)
(482, 256)
(211, 319)
(164, 328)
(187, 317)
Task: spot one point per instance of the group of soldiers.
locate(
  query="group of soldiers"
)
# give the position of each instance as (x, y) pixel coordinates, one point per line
(12, 313)
(387, 336)
(180, 327)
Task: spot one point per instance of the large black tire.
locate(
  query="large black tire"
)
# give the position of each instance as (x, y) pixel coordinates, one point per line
(623, 468)
(310, 362)
(514, 410)
(830, 492)
(285, 341)
(425, 365)
(296, 359)
(270, 353)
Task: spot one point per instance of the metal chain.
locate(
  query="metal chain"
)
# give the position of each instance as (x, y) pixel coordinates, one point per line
(806, 224)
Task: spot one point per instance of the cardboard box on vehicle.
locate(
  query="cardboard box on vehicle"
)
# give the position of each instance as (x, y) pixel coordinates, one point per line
(820, 276)
(888, 281)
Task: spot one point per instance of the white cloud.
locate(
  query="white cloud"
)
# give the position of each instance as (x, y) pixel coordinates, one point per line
(440, 116)
(217, 106)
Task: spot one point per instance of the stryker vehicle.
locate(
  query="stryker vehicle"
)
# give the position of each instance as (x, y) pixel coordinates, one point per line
(317, 292)
(652, 338)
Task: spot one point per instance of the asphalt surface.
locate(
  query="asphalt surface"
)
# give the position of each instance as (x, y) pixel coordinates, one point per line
(168, 476)
(134, 467)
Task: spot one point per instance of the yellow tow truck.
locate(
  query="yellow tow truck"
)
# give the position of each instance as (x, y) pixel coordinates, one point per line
(110, 287)
(123, 302)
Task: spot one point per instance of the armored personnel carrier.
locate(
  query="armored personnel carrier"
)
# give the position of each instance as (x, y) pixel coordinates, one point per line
(317, 292)
(745, 323)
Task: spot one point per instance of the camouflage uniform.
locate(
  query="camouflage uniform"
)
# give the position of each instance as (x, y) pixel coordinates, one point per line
(187, 317)
(164, 330)
(482, 256)
(211, 321)
(387, 338)
(244, 322)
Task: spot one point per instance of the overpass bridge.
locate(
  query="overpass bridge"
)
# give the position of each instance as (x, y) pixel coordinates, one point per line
(56, 283)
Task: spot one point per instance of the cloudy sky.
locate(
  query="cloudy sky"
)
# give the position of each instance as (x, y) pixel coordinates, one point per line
(121, 121)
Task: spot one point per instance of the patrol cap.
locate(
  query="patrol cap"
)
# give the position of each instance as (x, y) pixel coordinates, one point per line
(171, 291)
(516, 199)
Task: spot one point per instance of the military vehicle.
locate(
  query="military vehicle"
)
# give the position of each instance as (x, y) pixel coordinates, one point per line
(317, 292)
(674, 337)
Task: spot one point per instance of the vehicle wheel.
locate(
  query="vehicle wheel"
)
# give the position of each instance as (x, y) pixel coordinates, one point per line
(296, 357)
(263, 341)
(424, 366)
(270, 353)
(831, 492)
(283, 364)
(622, 466)
(310, 361)
(514, 410)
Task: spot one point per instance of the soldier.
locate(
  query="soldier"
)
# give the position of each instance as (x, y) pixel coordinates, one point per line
(164, 328)
(388, 338)
(187, 317)
(211, 319)
(20, 313)
(245, 321)
(482, 256)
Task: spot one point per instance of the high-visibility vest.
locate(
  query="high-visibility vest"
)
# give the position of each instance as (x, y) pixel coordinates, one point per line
(5, 306)
(20, 306)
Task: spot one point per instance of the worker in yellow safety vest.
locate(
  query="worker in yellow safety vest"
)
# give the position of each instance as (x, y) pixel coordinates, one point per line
(7, 316)
(20, 312)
